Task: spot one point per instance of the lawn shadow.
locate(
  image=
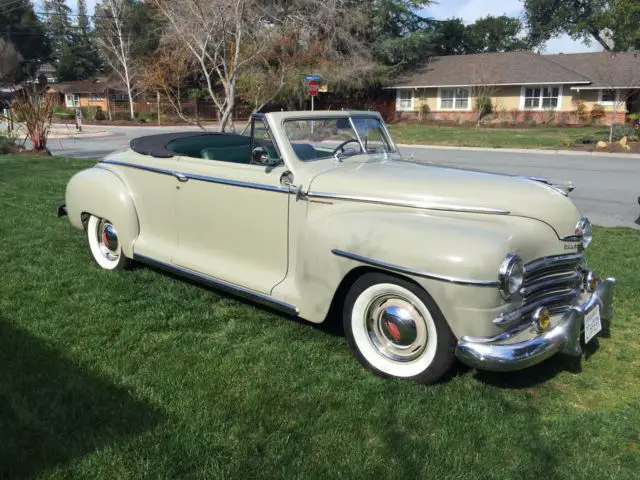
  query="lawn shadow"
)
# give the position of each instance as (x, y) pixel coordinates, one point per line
(53, 411)
(532, 376)
(329, 326)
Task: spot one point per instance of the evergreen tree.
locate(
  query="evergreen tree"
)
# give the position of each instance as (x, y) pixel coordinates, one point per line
(21, 28)
(76, 55)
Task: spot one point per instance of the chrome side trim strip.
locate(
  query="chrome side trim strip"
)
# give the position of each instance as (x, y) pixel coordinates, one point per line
(415, 273)
(220, 284)
(202, 178)
(236, 183)
(408, 203)
(139, 167)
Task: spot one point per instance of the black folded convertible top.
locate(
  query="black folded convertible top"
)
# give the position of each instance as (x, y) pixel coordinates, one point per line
(156, 145)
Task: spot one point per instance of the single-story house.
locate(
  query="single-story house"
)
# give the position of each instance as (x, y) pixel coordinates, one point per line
(522, 86)
(96, 92)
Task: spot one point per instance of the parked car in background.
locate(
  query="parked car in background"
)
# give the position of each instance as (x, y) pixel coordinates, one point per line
(317, 215)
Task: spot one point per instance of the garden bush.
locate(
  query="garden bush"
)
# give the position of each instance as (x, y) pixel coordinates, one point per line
(597, 112)
(621, 131)
(483, 106)
(8, 143)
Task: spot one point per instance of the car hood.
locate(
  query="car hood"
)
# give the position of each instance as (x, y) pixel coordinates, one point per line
(442, 188)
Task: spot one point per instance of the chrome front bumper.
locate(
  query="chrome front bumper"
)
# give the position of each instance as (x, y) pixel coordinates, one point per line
(497, 355)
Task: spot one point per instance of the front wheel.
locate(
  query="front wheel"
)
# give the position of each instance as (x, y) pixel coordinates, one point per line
(105, 244)
(395, 329)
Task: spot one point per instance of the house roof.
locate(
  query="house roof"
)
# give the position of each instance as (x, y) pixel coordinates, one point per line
(604, 69)
(94, 85)
(521, 68)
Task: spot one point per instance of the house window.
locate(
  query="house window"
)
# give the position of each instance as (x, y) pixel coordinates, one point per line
(608, 96)
(72, 100)
(404, 100)
(119, 97)
(537, 98)
(93, 97)
(454, 99)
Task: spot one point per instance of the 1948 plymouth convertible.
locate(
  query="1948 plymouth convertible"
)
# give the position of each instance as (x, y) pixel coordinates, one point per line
(316, 212)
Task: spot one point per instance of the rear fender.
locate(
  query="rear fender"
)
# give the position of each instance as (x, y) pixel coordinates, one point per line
(97, 191)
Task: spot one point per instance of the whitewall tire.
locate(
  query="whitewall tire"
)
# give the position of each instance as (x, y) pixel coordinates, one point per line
(105, 244)
(395, 329)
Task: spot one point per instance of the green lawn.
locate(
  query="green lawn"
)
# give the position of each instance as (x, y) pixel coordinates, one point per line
(469, 136)
(140, 375)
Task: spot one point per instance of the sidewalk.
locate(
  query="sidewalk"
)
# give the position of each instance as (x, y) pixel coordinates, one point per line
(630, 156)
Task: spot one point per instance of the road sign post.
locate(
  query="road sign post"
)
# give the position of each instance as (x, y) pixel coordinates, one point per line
(313, 86)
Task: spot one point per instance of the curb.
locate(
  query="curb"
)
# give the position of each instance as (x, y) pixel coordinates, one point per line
(530, 151)
(79, 136)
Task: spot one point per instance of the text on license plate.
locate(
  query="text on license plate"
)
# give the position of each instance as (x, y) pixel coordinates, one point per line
(592, 324)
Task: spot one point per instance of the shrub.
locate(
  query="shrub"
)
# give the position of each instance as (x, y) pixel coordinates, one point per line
(100, 114)
(483, 106)
(424, 112)
(8, 143)
(621, 131)
(88, 113)
(581, 110)
(585, 140)
(597, 112)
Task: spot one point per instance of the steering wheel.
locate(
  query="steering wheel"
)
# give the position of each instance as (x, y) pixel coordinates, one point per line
(343, 144)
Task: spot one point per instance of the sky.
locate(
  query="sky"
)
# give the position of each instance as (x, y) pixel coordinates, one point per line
(470, 11)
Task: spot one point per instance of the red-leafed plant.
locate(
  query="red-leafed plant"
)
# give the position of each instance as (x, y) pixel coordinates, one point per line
(35, 112)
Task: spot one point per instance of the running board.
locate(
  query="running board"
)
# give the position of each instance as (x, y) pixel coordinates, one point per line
(219, 284)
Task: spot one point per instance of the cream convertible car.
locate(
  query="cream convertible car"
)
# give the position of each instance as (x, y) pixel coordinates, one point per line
(314, 214)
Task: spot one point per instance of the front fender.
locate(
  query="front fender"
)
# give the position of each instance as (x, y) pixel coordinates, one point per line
(461, 246)
(100, 192)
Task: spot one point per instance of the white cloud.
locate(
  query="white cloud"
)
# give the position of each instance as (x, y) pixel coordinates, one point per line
(472, 10)
(565, 44)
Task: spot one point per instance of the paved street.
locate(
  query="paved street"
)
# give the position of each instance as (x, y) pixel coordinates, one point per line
(607, 188)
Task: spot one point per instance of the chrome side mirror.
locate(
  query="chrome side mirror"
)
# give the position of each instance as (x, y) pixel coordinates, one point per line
(259, 156)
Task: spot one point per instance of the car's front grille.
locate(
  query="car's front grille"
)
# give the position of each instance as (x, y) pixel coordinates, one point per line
(552, 282)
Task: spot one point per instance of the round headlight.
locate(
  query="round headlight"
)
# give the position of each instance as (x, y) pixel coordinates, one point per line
(584, 230)
(511, 275)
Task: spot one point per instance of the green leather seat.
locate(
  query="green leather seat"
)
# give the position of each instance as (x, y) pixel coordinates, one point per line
(304, 151)
(237, 154)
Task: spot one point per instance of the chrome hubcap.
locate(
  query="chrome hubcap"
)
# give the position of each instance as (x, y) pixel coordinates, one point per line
(396, 328)
(108, 240)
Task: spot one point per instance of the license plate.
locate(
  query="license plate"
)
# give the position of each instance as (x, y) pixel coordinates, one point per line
(592, 324)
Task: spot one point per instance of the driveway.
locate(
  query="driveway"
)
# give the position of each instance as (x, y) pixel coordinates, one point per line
(607, 188)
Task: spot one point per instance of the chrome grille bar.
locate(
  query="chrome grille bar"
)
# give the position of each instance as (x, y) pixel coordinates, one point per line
(552, 282)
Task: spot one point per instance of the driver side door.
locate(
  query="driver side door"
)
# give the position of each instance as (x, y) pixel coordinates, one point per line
(232, 219)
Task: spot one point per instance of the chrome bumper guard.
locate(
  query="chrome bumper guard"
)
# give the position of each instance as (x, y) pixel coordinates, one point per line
(488, 354)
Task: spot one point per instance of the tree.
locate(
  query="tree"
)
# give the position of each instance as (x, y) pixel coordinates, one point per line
(496, 34)
(397, 34)
(10, 61)
(450, 37)
(222, 39)
(115, 40)
(22, 29)
(488, 34)
(76, 55)
(168, 72)
(614, 24)
(36, 113)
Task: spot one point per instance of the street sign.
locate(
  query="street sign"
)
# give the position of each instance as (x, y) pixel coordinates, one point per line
(312, 88)
(309, 78)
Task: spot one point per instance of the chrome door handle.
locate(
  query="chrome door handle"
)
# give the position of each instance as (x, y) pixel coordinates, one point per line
(180, 176)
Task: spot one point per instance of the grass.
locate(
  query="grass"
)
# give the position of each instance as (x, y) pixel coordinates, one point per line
(140, 375)
(468, 136)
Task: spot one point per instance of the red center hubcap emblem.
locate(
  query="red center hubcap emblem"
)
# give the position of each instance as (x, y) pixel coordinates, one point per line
(394, 331)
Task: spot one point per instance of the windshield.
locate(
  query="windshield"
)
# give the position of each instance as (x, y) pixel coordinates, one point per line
(319, 138)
